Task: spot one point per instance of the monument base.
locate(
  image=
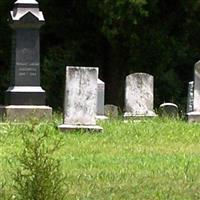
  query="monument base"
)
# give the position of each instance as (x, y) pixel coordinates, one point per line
(65, 128)
(101, 117)
(25, 95)
(24, 113)
(193, 116)
(137, 116)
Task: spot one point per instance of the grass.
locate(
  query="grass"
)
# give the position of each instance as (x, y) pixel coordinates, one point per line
(152, 159)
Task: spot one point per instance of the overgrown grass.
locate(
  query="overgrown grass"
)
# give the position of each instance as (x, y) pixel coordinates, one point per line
(151, 159)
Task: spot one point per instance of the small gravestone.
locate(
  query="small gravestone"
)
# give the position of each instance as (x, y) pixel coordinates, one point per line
(190, 97)
(80, 99)
(111, 111)
(25, 93)
(100, 100)
(194, 116)
(139, 95)
(168, 110)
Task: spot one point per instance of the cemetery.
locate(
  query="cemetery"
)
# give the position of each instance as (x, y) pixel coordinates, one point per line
(92, 148)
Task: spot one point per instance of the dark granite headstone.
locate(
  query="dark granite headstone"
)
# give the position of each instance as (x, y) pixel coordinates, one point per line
(25, 20)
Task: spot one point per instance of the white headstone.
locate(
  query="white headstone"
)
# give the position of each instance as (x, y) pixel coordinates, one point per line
(139, 95)
(197, 87)
(100, 100)
(190, 97)
(80, 98)
(194, 116)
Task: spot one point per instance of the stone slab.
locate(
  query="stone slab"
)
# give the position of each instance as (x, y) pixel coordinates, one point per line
(23, 113)
(91, 128)
(80, 96)
(197, 87)
(80, 103)
(25, 95)
(100, 97)
(101, 117)
(193, 117)
(190, 97)
(130, 115)
(139, 95)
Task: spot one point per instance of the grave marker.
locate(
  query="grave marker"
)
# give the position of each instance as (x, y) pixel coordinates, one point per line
(100, 100)
(139, 95)
(111, 110)
(168, 110)
(80, 99)
(194, 116)
(25, 90)
(190, 97)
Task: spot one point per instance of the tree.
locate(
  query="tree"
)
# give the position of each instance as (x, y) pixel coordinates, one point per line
(118, 21)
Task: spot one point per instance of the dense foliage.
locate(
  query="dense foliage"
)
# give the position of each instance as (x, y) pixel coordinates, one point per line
(120, 37)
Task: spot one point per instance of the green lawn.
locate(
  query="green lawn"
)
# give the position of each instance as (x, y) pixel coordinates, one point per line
(151, 159)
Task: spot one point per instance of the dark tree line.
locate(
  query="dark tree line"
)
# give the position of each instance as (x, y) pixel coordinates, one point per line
(120, 37)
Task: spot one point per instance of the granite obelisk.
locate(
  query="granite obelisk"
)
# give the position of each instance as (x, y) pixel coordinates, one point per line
(25, 92)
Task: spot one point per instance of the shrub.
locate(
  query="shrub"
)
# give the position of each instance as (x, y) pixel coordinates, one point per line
(39, 175)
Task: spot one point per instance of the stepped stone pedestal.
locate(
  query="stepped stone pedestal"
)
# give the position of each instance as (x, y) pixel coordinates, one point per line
(23, 113)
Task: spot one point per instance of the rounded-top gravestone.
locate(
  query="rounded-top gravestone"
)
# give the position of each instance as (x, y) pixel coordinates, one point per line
(111, 110)
(168, 110)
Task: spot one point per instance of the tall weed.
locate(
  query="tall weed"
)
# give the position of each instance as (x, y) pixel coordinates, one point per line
(39, 175)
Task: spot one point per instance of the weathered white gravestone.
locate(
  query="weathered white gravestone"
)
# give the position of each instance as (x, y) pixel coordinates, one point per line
(100, 100)
(194, 116)
(168, 110)
(190, 97)
(80, 99)
(25, 98)
(139, 95)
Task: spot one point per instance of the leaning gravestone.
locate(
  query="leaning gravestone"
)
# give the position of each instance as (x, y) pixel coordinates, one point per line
(25, 97)
(139, 95)
(100, 100)
(80, 99)
(168, 110)
(190, 97)
(194, 116)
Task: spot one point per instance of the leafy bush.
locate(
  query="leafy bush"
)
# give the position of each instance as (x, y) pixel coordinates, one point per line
(39, 175)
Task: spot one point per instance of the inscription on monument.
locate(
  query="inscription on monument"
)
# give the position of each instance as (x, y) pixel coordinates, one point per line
(27, 71)
(27, 62)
